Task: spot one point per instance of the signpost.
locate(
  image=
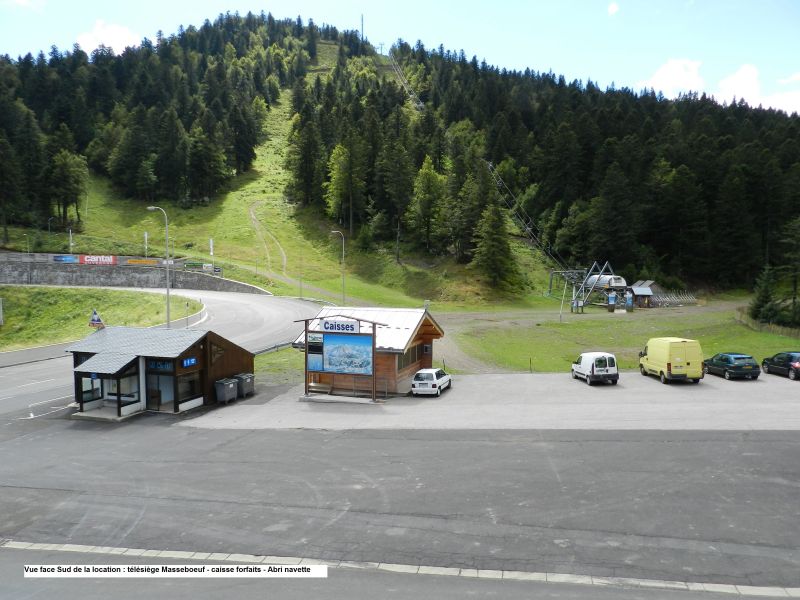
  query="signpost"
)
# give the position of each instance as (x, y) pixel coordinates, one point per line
(96, 321)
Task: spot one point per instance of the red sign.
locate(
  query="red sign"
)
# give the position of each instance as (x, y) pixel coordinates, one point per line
(89, 259)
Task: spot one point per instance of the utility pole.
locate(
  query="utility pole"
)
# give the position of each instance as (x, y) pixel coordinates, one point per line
(341, 234)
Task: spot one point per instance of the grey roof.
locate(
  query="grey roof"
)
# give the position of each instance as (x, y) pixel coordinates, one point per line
(107, 363)
(398, 325)
(641, 291)
(166, 343)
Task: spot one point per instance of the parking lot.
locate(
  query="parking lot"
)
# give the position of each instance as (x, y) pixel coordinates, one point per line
(535, 401)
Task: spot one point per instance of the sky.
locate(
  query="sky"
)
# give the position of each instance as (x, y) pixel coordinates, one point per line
(725, 48)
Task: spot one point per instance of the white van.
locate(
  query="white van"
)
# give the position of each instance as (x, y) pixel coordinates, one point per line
(596, 366)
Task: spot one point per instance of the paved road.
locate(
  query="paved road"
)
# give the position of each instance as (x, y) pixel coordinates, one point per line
(352, 584)
(540, 401)
(697, 506)
(252, 321)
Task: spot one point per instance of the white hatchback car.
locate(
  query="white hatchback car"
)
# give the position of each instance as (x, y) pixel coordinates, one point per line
(430, 382)
(596, 366)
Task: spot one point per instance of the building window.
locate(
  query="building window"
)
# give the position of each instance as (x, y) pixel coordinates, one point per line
(216, 353)
(189, 387)
(410, 357)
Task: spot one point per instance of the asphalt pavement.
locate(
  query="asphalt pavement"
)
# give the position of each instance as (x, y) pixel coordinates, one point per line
(353, 583)
(538, 401)
(532, 474)
(31, 387)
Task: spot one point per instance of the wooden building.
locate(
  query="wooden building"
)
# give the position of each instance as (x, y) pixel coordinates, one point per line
(403, 345)
(130, 370)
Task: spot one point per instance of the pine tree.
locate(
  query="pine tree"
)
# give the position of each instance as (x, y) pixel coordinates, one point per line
(172, 160)
(763, 307)
(493, 256)
(305, 160)
(10, 178)
(344, 190)
(429, 192)
(72, 174)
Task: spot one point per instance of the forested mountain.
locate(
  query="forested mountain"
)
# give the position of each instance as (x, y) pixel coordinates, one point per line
(174, 118)
(683, 189)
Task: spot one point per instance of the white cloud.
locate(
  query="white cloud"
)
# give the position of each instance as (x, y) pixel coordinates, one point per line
(109, 35)
(613, 8)
(745, 84)
(788, 101)
(675, 76)
(794, 78)
(741, 84)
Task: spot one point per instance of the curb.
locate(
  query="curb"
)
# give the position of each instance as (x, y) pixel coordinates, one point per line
(556, 578)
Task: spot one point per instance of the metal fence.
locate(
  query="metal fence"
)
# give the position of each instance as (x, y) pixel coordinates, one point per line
(673, 298)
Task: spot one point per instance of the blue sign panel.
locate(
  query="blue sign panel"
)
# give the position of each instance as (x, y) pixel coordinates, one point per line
(159, 365)
(348, 354)
(66, 258)
(189, 362)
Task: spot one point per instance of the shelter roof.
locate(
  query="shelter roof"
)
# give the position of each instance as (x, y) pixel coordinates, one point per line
(106, 363)
(395, 329)
(164, 343)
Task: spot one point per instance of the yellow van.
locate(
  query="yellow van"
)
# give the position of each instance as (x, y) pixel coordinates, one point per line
(672, 358)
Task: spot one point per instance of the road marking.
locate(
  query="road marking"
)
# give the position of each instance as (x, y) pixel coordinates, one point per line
(46, 401)
(552, 578)
(33, 416)
(34, 383)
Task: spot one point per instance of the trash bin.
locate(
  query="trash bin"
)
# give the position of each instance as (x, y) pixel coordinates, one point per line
(246, 384)
(226, 389)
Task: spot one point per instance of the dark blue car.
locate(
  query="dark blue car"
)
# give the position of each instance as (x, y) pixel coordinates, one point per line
(783, 363)
(732, 365)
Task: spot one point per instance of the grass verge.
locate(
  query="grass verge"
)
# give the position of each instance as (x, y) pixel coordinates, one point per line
(551, 346)
(34, 316)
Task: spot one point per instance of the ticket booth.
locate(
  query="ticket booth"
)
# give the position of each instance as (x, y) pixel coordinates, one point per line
(120, 371)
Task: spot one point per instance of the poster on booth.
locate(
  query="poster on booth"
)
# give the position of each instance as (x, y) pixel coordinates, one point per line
(347, 354)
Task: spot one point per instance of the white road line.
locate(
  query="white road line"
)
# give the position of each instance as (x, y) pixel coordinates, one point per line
(34, 383)
(46, 401)
(539, 577)
(33, 416)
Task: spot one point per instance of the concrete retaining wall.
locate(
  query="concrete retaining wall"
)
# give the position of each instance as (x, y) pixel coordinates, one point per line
(66, 275)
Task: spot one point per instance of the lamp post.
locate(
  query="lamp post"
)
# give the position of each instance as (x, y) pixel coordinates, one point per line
(341, 234)
(166, 251)
(28, 247)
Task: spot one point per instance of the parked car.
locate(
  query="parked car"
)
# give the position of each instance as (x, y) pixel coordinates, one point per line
(596, 366)
(430, 382)
(783, 363)
(671, 359)
(732, 365)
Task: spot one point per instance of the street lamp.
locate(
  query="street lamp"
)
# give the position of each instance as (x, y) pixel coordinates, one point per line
(27, 244)
(341, 234)
(166, 251)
